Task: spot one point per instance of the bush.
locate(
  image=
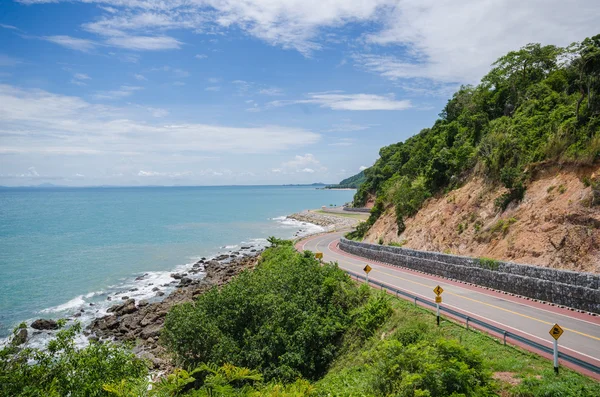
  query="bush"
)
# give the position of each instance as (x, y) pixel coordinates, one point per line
(443, 368)
(285, 318)
(65, 370)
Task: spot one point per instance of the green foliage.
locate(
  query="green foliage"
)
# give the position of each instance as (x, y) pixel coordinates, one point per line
(63, 369)
(443, 368)
(515, 194)
(552, 386)
(277, 242)
(537, 104)
(359, 232)
(488, 263)
(397, 244)
(285, 319)
(367, 318)
(354, 182)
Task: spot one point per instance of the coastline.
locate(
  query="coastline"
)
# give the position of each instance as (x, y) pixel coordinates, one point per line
(136, 312)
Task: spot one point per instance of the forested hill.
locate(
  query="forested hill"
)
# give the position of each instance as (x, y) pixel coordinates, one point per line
(537, 106)
(354, 182)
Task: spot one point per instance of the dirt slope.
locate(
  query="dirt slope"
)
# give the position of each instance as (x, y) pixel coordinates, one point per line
(553, 226)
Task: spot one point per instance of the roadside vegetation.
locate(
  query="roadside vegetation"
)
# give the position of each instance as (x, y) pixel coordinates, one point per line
(294, 327)
(537, 106)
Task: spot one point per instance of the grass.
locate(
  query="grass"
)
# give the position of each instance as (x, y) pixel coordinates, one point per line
(354, 216)
(519, 373)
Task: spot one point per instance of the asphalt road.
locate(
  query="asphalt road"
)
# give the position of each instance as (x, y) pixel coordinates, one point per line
(532, 319)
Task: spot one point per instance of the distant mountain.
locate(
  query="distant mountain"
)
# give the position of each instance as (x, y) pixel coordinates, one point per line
(353, 182)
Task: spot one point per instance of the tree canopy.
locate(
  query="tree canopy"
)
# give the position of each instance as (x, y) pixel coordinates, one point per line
(537, 104)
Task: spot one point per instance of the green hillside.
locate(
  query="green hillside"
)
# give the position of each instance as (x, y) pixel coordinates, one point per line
(537, 105)
(353, 182)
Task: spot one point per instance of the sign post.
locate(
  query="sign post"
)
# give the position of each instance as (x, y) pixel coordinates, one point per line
(438, 299)
(556, 331)
(367, 270)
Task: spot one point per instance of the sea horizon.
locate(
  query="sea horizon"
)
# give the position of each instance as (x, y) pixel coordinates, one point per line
(67, 250)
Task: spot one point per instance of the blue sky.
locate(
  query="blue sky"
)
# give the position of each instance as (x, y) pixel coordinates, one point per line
(197, 92)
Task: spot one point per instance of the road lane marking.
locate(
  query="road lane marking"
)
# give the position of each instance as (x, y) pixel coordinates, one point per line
(489, 320)
(378, 269)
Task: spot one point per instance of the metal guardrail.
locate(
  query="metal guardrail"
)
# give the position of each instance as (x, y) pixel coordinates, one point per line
(506, 334)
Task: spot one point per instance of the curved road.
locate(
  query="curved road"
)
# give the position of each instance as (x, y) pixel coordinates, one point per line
(521, 316)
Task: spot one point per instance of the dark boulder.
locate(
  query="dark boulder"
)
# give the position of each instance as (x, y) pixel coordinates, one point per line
(20, 337)
(43, 324)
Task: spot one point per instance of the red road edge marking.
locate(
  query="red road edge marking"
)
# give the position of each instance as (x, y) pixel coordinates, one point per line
(302, 243)
(483, 290)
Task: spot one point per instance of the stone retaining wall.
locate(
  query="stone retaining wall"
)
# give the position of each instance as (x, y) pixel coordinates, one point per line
(562, 287)
(352, 209)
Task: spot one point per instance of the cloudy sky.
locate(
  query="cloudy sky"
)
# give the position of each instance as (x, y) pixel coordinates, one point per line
(186, 92)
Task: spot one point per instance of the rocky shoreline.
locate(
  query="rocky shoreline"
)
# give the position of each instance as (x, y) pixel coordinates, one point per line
(329, 222)
(141, 322)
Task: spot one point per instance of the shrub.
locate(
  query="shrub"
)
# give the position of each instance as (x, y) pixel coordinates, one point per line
(443, 368)
(65, 370)
(285, 318)
(488, 263)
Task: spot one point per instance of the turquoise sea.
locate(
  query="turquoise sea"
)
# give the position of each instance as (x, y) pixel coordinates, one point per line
(62, 249)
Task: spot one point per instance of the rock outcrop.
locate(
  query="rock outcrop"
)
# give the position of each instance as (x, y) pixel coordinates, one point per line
(142, 322)
(44, 324)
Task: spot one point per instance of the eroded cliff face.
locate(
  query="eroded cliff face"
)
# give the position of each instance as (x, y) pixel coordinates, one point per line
(554, 226)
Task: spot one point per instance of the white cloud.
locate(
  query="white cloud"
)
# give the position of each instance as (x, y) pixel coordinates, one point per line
(362, 168)
(72, 43)
(33, 172)
(123, 92)
(214, 80)
(175, 72)
(343, 142)
(213, 88)
(81, 76)
(307, 163)
(446, 40)
(36, 121)
(140, 77)
(150, 43)
(163, 174)
(479, 32)
(349, 127)
(200, 56)
(178, 83)
(340, 101)
(2, 25)
(271, 91)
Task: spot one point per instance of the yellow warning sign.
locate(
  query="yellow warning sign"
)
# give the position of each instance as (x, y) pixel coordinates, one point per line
(319, 255)
(367, 269)
(438, 290)
(438, 299)
(556, 331)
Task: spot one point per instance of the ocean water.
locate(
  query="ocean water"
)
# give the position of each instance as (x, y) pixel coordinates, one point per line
(67, 250)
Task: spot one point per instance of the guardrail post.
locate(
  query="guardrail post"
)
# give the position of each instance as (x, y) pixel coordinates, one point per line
(467, 323)
(504, 338)
(415, 301)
